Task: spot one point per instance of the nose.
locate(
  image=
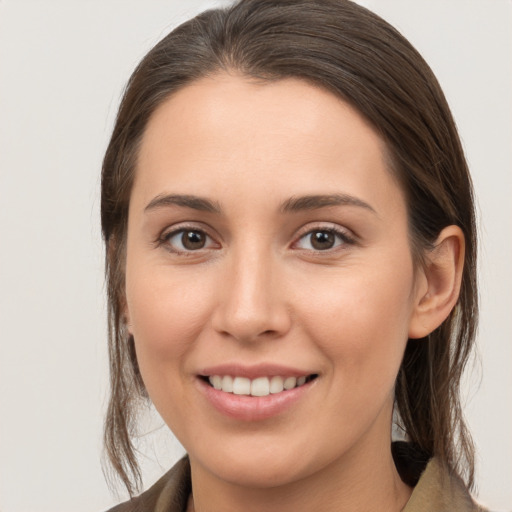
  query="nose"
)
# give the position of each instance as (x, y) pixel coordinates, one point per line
(251, 303)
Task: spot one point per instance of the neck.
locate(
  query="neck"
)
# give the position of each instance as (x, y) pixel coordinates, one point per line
(354, 484)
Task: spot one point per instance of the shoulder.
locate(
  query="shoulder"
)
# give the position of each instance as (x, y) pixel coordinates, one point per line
(170, 493)
(443, 490)
(438, 490)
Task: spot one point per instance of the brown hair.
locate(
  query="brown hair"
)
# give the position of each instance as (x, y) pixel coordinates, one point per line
(356, 55)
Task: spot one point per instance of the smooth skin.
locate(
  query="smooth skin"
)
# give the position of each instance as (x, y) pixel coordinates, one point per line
(247, 274)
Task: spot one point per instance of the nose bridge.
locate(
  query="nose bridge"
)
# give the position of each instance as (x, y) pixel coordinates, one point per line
(251, 304)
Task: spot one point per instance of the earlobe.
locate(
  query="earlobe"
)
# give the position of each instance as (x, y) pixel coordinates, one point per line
(441, 279)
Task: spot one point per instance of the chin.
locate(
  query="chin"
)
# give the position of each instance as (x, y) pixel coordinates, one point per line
(261, 473)
(263, 463)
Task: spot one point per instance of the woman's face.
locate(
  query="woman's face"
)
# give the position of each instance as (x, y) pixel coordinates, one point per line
(267, 242)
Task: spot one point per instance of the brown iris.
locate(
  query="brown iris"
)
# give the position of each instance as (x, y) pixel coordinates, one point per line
(322, 240)
(193, 240)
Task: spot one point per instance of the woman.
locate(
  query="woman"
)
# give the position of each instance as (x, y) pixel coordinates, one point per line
(291, 252)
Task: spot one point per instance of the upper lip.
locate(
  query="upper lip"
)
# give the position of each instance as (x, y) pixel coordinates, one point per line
(254, 371)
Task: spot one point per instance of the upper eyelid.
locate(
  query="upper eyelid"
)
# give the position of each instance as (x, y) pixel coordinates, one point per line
(187, 226)
(325, 226)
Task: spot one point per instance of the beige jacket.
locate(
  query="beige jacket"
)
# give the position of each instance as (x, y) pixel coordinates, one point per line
(436, 491)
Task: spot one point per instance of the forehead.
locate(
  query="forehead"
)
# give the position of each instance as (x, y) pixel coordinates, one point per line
(282, 111)
(287, 134)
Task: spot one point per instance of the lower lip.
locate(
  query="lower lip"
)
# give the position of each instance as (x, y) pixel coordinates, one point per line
(253, 408)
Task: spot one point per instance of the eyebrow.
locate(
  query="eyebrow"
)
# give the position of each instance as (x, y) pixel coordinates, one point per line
(188, 201)
(294, 204)
(315, 202)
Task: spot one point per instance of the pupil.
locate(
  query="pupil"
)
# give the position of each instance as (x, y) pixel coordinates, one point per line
(322, 240)
(193, 240)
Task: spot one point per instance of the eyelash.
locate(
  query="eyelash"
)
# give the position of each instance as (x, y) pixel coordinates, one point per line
(343, 239)
(164, 239)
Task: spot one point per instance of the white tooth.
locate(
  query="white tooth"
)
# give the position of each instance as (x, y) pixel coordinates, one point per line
(260, 387)
(290, 382)
(301, 380)
(216, 381)
(227, 384)
(241, 386)
(276, 384)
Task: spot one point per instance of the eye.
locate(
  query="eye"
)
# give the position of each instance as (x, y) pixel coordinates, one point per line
(322, 240)
(187, 240)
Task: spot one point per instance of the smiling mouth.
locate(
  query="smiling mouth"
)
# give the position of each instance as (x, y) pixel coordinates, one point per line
(261, 386)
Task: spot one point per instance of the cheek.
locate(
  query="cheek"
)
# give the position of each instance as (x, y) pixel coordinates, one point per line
(167, 311)
(360, 321)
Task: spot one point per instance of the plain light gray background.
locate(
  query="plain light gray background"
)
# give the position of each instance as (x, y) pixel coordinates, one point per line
(63, 64)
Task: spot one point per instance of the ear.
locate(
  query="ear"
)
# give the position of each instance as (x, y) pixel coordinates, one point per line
(438, 283)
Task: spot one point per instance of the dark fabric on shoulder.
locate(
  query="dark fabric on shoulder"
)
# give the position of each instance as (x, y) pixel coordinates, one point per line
(169, 494)
(410, 461)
